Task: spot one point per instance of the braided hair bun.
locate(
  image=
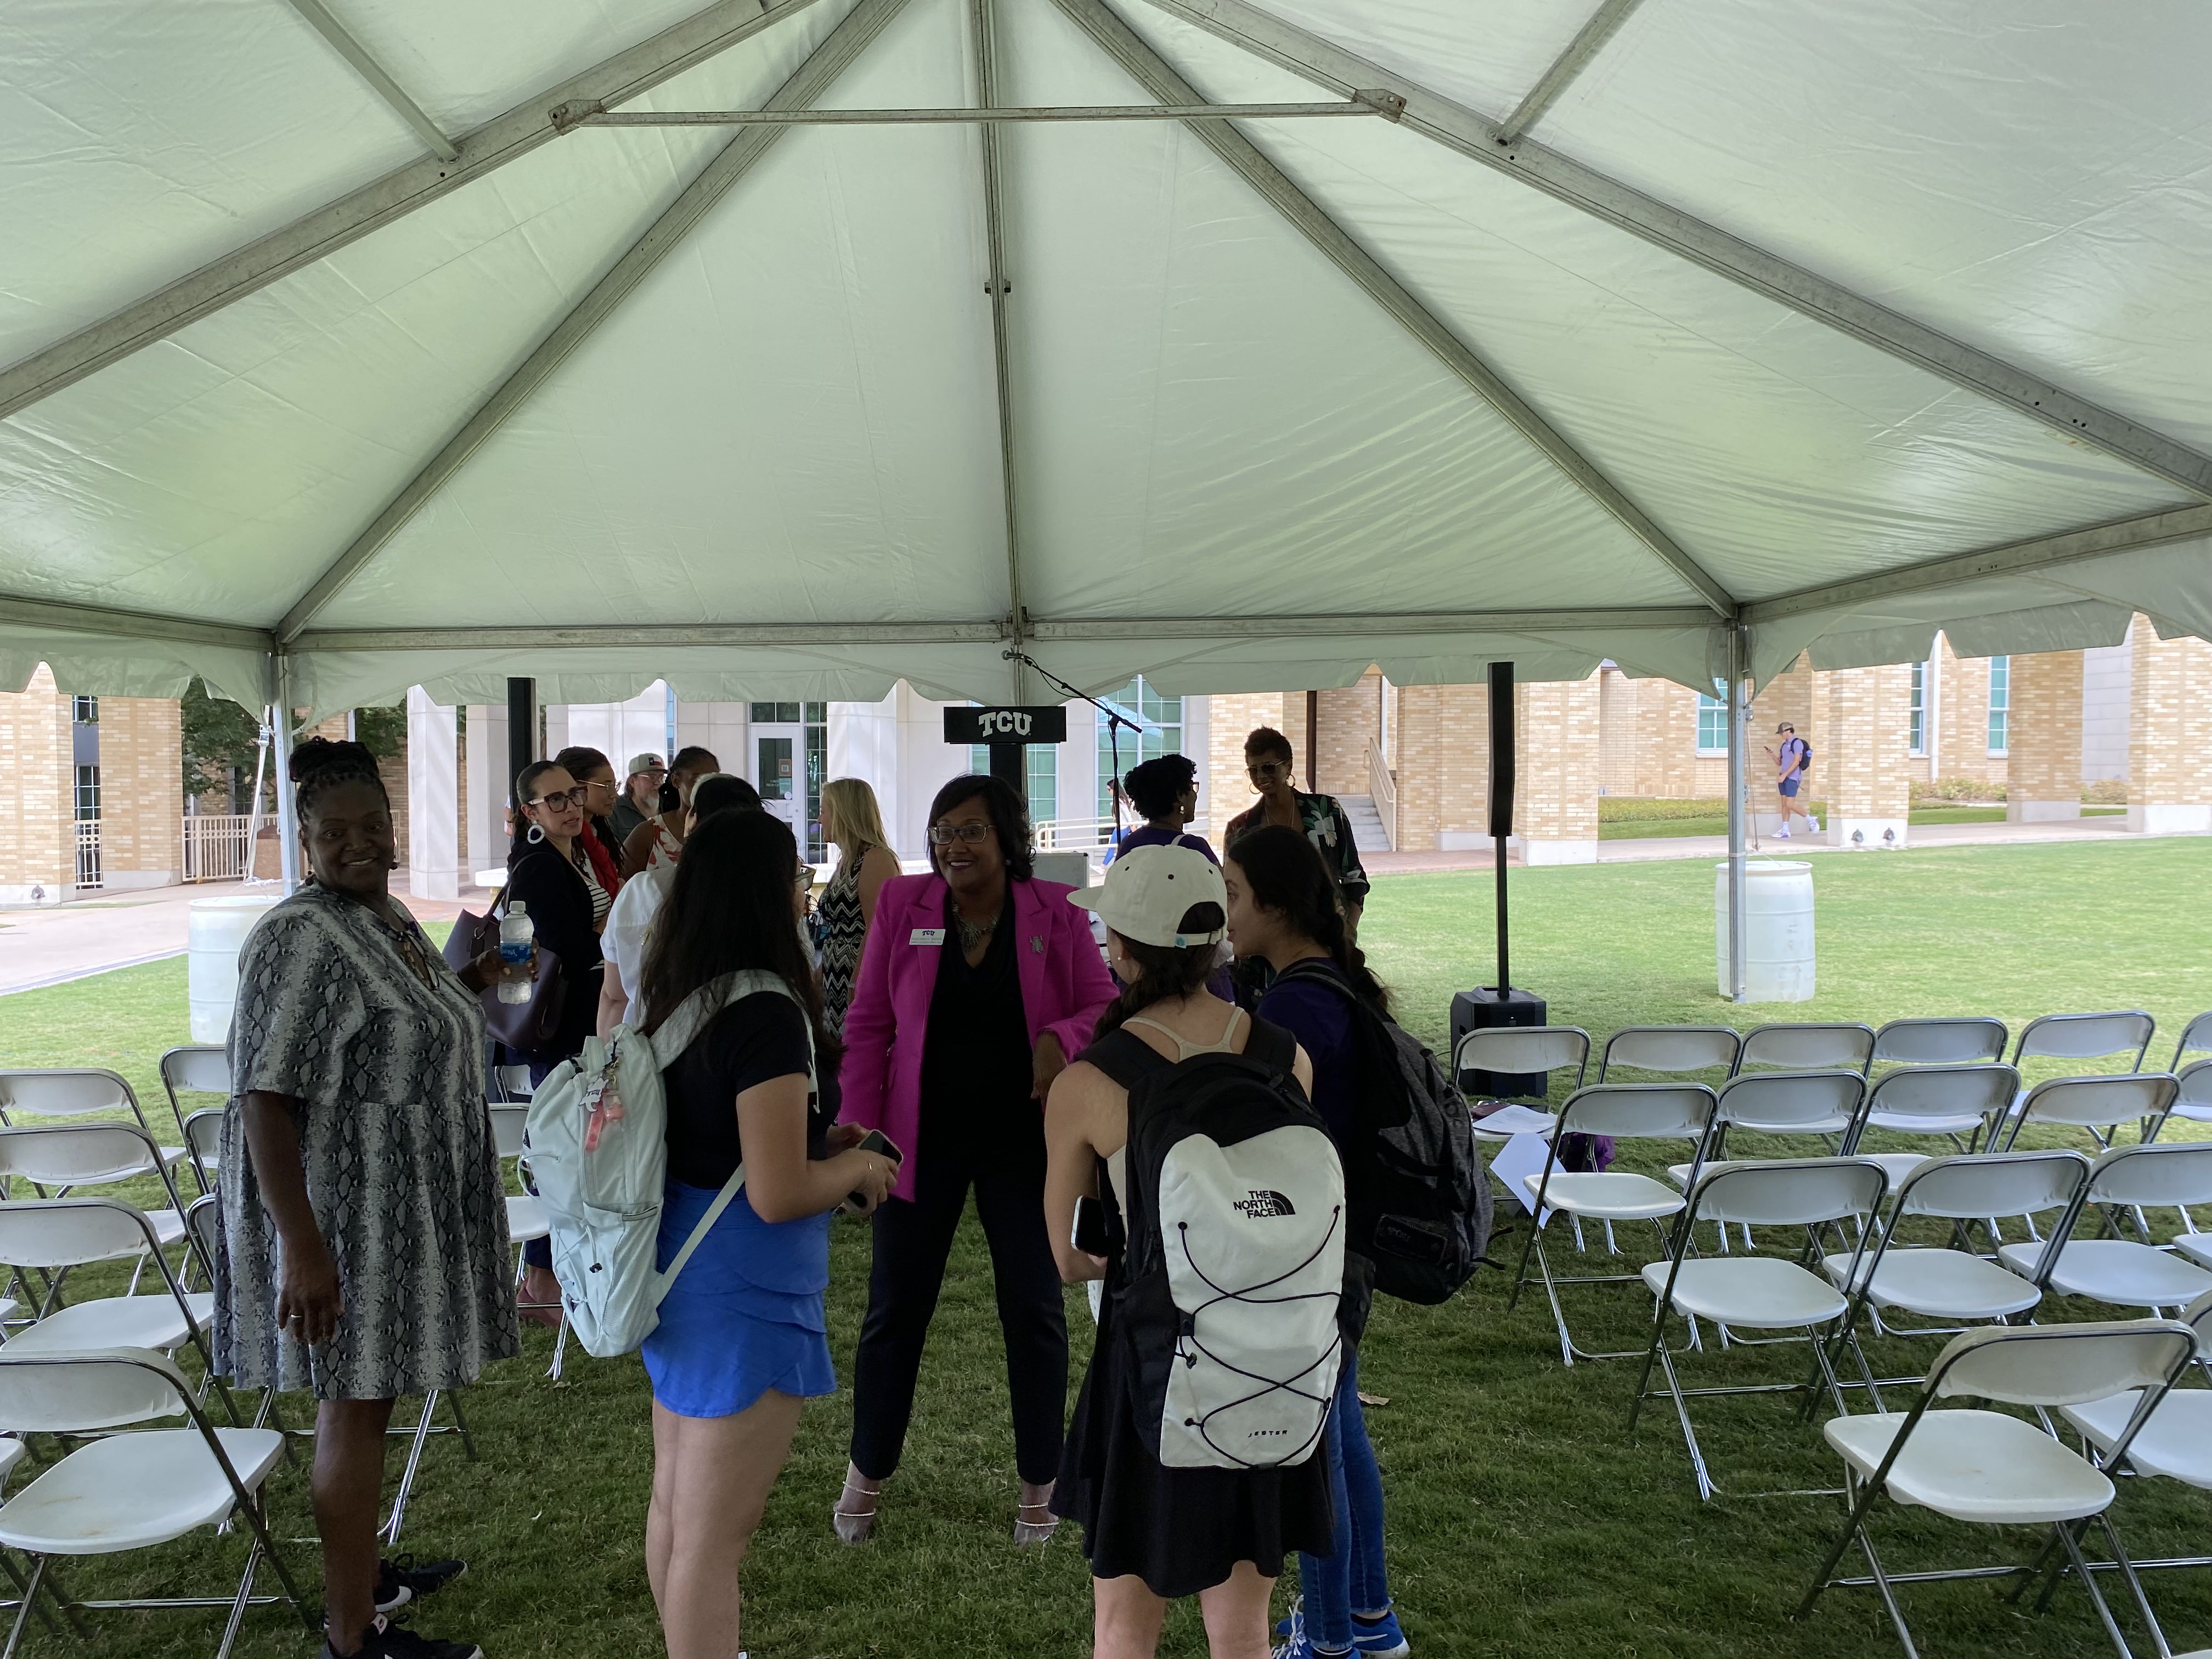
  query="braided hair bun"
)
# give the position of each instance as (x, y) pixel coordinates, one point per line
(319, 764)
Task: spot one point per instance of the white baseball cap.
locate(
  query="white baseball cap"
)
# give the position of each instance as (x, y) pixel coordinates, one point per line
(1147, 892)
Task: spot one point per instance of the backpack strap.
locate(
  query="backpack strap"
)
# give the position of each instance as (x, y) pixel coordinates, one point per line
(1126, 1057)
(1271, 1046)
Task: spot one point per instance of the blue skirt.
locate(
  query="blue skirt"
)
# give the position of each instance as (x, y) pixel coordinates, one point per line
(745, 1313)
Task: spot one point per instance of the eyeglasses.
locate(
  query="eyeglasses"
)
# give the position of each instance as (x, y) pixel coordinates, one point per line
(1265, 769)
(944, 834)
(804, 880)
(575, 797)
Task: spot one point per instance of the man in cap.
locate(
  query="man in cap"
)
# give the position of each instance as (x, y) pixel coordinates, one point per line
(640, 795)
(1791, 761)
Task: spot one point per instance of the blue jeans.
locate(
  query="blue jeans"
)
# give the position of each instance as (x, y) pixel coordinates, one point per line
(1335, 1585)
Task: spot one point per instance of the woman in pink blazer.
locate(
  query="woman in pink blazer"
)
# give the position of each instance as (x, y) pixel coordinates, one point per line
(978, 984)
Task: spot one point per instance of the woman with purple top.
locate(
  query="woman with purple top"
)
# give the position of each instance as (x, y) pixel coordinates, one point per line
(1165, 790)
(1283, 909)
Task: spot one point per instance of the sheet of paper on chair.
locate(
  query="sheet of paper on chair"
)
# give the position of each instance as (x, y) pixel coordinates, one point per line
(1523, 1155)
(1515, 1121)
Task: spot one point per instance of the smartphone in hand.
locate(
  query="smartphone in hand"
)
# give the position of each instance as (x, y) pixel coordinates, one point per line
(1089, 1236)
(875, 1141)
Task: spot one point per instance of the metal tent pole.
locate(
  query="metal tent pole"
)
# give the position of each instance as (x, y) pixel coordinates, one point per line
(1738, 718)
(287, 819)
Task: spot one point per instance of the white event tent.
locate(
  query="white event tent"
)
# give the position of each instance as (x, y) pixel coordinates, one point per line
(786, 348)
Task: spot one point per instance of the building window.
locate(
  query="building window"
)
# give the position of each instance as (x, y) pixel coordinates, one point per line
(88, 794)
(1160, 720)
(1712, 724)
(1042, 761)
(2000, 704)
(1917, 712)
(84, 711)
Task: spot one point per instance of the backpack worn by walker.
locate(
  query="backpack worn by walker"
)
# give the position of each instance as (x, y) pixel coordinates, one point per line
(1421, 1205)
(1236, 1295)
(598, 1154)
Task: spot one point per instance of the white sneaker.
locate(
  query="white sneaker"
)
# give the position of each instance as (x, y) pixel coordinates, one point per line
(1783, 834)
(1813, 824)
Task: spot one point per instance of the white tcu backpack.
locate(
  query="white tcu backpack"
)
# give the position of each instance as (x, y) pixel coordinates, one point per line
(598, 1155)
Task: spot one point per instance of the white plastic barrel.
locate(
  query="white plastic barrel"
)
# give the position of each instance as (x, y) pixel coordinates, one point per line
(1778, 929)
(218, 928)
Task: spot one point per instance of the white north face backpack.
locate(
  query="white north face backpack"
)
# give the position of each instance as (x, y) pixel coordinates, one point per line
(1235, 1295)
(598, 1154)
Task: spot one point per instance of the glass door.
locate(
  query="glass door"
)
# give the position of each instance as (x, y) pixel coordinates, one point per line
(775, 775)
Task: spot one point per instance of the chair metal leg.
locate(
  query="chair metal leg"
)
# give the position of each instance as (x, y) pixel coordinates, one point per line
(407, 1474)
(238, 1604)
(16, 1576)
(2127, 1570)
(2071, 1539)
(23, 1612)
(1888, 1595)
(461, 1423)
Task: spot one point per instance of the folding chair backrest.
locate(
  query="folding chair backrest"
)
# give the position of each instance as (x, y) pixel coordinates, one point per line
(67, 1093)
(507, 1124)
(1518, 1049)
(2062, 1364)
(1808, 1048)
(80, 1393)
(509, 1083)
(197, 1069)
(1671, 1049)
(1792, 1103)
(68, 1232)
(77, 1154)
(2099, 1103)
(1968, 1187)
(204, 1222)
(1945, 1091)
(1638, 1111)
(203, 1134)
(2173, 1172)
(1975, 1039)
(2196, 1035)
(2086, 1036)
(2194, 1086)
(1789, 1192)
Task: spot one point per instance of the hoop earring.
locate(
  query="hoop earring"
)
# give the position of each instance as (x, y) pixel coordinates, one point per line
(537, 834)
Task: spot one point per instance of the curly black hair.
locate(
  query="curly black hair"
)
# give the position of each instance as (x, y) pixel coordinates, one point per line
(1158, 784)
(318, 765)
(1008, 816)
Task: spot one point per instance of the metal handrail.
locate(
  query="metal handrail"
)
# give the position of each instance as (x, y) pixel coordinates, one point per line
(1384, 788)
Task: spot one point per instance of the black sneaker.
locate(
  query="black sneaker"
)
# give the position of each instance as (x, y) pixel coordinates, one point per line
(385, 1640)
(403, 1579)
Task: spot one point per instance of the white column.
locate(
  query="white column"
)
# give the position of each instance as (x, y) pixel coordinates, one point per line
(487, 787)
(434, 858)
(1197, 745)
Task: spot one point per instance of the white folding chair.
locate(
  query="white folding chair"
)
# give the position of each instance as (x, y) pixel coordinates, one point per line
(1948, 1284)
(2086, 1036)
(1670, 1048)
(1962, 1103)
(197, 1069)
(131, 1490)
(1808, 1046)
(1974, 1039)
(1760, 1292)
(1782, 1104)
(2195, 1037)
(2118, 1270)
(2192, 1092)
(1626, 1111)
(1991, 1468)
(526, 1212)
(2098, 1105)
(73, 1092)
(203, 1143)
(1516, 1050)
(58, 1159)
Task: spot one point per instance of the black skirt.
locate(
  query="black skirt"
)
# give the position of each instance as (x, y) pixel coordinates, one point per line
(1180, 1530)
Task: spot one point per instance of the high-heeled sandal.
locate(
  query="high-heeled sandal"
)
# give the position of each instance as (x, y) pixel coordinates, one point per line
(1027, 1531)
(855, 1525)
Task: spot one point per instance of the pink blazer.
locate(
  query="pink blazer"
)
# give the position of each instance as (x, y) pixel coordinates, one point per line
(1065, 987)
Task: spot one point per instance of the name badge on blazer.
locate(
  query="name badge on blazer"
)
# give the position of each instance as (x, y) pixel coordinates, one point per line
(926, 936)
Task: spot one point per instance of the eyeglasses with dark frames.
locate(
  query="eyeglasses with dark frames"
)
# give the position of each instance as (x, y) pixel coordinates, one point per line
(944, 834)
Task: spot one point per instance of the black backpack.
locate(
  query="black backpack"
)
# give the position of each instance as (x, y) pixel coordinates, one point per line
(1236, 1297)
(1805, 764)
(1421, 1205)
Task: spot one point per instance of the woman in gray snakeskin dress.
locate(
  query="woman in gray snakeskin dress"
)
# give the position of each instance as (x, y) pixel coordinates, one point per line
(363, 1250)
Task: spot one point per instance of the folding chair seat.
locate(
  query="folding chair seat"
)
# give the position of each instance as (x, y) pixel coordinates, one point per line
(1961, 1104)
(526, 1214)
(197, 1069)
(1974, 1039)
(74, 1093)
(1808, 1046)
(2195, 1038)
(1670, 1048)
(2117, 1270)
(1987, 1467)
(1626, 1111)
(1781, 1103)
(52, 1234)
(1758, 1292)
(1519, 1050)
(134, 1490)
(59, 1158)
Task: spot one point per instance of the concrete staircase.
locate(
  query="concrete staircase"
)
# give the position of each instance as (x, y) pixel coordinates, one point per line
(1366, 823)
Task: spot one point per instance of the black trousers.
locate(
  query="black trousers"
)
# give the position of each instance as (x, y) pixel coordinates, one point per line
(913, 1242)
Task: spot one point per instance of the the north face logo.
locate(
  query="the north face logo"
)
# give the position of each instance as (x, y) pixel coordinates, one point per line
(1260, 1203)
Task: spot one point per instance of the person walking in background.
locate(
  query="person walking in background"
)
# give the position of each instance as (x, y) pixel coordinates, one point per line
(1283, 910)
(623, 941)
(596, 774)
(660, 838)
(363, 1250)
(1165, 790)
(640, 799)
(851, 821)
(977, 983)
(1790, 761)
(1268, 761)
(742, 1341)
(1152, 1533)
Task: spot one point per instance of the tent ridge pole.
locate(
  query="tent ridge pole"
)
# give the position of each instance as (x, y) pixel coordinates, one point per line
(326, 24)
(1163, 81)
(1581, 52)
(983, 41)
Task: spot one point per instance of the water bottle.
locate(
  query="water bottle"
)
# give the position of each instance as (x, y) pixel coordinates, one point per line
(515, 934)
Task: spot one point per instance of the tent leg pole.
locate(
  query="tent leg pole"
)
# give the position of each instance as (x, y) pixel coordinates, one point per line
(1739, 716)
(283, 735)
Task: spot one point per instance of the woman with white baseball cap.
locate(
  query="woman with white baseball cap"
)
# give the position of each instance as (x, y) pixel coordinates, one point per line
(1153, 1533)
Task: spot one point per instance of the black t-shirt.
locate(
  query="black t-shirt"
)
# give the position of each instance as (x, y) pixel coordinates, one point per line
(754, 1040)
(975, 1064)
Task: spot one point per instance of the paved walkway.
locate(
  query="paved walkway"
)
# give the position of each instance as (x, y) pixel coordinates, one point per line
(122, 929)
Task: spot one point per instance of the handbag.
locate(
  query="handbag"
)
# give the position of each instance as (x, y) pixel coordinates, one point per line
(523, 1028)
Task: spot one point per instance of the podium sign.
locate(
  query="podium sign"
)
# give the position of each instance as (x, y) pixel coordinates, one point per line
(1009, 723)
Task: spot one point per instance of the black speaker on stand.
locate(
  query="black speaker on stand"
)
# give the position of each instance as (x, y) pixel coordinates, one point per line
(1499, 1003)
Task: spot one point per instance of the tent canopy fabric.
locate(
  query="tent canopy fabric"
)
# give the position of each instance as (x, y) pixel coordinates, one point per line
(1600, 331)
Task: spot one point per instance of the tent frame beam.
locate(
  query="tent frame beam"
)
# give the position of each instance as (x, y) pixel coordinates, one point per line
(1374, 103)
(983, 41)
(64, 617)
(1163, 81)
(326, 24)
(1581, 52)
(505, 137)
(1460, 129)
(807, 82)
(2021, 558)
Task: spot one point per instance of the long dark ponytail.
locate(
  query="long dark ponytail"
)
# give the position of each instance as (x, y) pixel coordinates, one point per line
(1283, 872)
(1164, 972)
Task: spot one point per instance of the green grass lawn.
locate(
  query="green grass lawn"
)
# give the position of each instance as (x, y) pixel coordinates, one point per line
(1524, 1520)
(1658, 828)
